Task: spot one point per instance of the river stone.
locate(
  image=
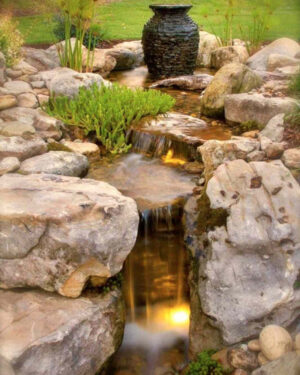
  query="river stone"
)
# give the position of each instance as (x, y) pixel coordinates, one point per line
(288, 364)
(229, 54)
(39, 58)
(276, 60)
(8, 165)
(45, 125)
(57, 162)
(43, 333)
(242, 359)
(231, 78)
(275, 128)
(135, 47)
(56, 228)
(14, 74)
(90, 150)
(283, 46)
(12, 128)
(21, 147)
(291, 158)
(193, 82)
(254, 345)
(68, 84)
(7, 101)
(17, 87)
(28, 100)
(275, 341)
(248, 273)
(207, 44)
(125, 59)
(246, 107)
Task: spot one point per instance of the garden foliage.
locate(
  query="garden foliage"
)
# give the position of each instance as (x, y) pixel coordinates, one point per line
(205, 365)
(11, 40)
(109, 111)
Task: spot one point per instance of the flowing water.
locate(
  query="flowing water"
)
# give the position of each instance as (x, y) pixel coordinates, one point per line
(155, 273)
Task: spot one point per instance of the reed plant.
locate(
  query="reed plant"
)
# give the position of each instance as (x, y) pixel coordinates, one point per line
(108, 112)
(78, 13)
(11, 40)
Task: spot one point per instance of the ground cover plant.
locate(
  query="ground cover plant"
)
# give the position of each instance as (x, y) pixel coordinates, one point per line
(125, 19)
(205, 365)
(109, 111)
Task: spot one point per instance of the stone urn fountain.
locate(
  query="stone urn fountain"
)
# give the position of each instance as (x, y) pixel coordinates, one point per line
(170, 41)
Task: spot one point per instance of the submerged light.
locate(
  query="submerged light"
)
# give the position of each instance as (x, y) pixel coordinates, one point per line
(168, 159)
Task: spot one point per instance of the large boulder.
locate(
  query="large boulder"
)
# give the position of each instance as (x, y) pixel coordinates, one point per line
(130, 54)
(45, 125)
(256, 107)
(40, 59)
(68, 84)
(283, 46)
(47, 334)
(287, 364)
(229, 54)
(103, 62)
(231, 78)
(275, 128)
(21, 147)
(57, 231)
(207, 44)
(247, 249)
(57, 162)
(276, 60)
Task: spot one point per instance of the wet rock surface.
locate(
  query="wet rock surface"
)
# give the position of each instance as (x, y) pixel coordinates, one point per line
(194, 82)
(56, 226)
(51, 328)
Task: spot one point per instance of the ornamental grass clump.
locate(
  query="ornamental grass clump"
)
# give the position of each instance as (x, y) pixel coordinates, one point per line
(109, 111)
(11, 40)
(78, 14)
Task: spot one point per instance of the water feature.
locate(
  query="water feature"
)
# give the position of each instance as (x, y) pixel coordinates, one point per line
(155, 274)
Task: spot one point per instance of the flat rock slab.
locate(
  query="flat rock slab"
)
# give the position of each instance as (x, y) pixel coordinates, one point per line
(45, 125)
(17, 87)
(90, 150)
(255, 107)
(57, 162)
(192, 82)
(21, 147)
(16, 128)
(43, 333)
(56, 231)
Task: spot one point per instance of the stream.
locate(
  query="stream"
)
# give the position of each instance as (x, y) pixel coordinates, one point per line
(155, 274)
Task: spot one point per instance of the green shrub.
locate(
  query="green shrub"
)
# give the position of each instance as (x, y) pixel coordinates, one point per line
(11, 40)
(292, 120)
(109, 111)
(96, 31)
(205, 365)
(294, 87)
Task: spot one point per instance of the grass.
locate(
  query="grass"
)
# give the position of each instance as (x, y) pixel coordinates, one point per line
(124, 19)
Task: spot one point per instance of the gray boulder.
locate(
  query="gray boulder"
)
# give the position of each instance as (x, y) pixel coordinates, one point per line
(252, 259)
(288, 364)
(256, 107)
(56, 232)
(231, 78)
(283, 46)
(57, 162)
(275, 128)
(21, 147)
(47, 334)
(207, 44)
(229, 54)
(39, 58)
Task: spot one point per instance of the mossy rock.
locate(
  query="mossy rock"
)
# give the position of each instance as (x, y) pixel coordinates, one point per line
(56, 146)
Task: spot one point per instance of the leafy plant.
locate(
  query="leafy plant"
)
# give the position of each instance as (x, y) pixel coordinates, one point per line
(205, 365)
(294, 87)
(96, 31)
(78, 14)
(11, 40)
(109, 111)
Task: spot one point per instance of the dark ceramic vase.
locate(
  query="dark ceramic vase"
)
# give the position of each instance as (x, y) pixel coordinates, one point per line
(170, 41)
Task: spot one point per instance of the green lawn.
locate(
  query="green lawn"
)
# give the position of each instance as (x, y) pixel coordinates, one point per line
(124, 19)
